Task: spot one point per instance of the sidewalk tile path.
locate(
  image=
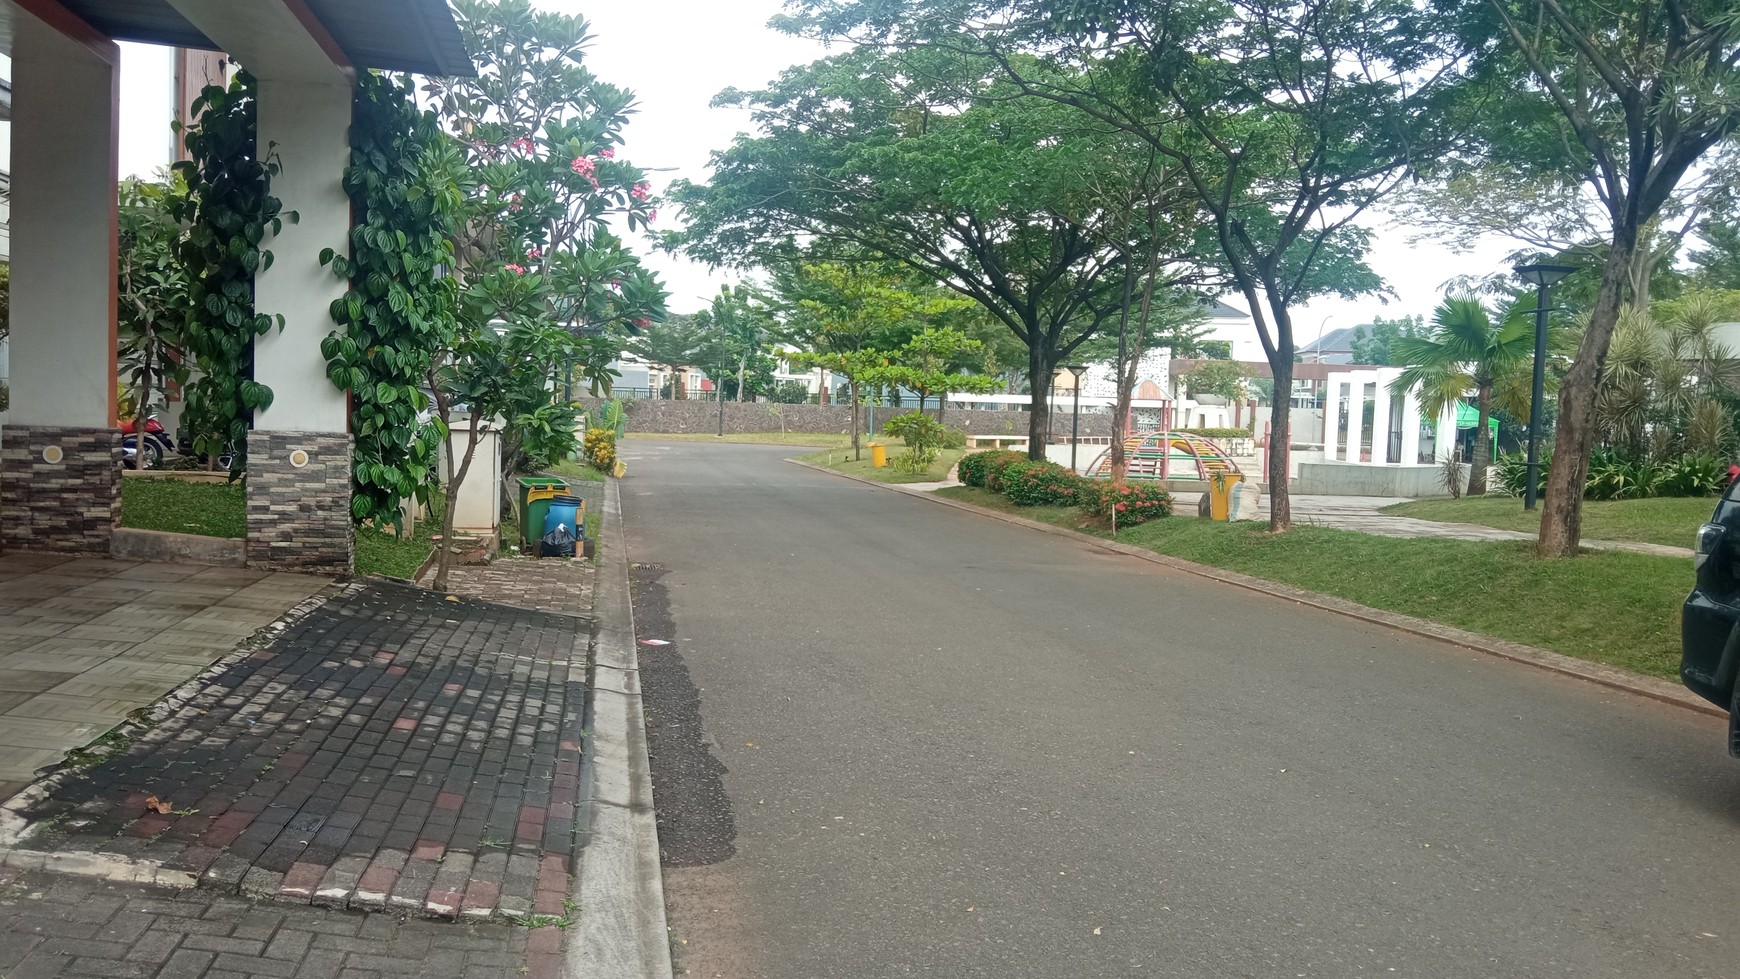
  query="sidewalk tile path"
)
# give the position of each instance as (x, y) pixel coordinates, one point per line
(84, 642)
(546, 584)
(393, 749)
(59, 927)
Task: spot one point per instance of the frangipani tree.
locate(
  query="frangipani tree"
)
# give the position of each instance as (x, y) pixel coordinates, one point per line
(544, 284)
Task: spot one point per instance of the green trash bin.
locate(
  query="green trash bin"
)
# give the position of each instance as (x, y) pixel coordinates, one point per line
(536, 492)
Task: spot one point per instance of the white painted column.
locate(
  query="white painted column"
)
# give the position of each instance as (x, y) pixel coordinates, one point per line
(1355, 413)
(64, 147)
(308, 126)
(1331, 416)
(1411, 428)
(1446, 432)
(1380, 422)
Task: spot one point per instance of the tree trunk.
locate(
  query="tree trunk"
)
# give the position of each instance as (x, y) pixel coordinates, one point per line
(1039, 398)
(1281, 421)
(742, 365)
(144, 413)
(455, 479)
(857, 448)
(1574, 439)
(1482, 456)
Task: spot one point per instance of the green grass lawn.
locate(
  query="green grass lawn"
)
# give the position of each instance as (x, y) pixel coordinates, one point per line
(753, 438)
(1611, 607)
(1663, 520)
(380, 551)
(574, 469)
(183, 507)
(841, 460)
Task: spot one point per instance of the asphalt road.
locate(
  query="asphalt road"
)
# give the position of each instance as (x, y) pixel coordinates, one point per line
(957, 748)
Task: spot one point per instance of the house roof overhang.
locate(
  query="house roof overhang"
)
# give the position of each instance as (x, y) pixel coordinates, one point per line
(393, 35)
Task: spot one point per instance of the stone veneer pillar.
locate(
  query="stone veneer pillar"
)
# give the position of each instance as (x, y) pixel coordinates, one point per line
(299, 502)
(60, 488)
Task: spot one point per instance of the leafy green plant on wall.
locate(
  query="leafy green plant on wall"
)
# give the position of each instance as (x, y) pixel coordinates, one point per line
(228, 210)
(403, 181)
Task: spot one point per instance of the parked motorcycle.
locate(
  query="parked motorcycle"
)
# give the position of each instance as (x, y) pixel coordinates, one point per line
(157, 443)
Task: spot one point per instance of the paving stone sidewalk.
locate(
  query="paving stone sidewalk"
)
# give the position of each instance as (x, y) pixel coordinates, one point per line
(556, 585)
(395, 748)
(57, 927)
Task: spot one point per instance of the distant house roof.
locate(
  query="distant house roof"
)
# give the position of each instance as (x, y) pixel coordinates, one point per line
(1221, 311)
(395, 35)
(1307, 371)
(1339, 340)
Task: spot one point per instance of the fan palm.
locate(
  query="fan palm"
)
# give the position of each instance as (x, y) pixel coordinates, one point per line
(1467, 348)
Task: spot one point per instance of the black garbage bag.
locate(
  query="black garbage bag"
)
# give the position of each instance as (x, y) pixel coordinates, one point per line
(557, 543)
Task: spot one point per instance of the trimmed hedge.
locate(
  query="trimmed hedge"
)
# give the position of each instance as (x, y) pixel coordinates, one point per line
(999, 461)
(1134, 502)
(973, 468)
(1029, 483)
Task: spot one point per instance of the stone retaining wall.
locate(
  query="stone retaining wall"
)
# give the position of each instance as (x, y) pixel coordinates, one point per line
(651, 417)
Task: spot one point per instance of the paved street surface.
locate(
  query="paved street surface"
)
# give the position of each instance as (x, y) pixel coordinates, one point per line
(916, 742)
(394, 748)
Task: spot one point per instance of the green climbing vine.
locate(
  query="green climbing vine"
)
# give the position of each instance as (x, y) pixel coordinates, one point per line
(228, 210)
(404, 184)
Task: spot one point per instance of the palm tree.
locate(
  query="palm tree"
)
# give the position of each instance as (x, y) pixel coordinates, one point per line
(1662, 384)
(1467, 348)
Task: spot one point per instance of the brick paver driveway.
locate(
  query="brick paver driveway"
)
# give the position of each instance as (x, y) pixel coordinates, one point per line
(395, 748)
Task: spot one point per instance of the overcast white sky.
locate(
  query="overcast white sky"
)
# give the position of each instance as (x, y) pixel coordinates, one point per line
(697, 48)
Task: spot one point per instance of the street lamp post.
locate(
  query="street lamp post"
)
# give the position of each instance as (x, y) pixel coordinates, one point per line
(1075, 418)
(1542, 276)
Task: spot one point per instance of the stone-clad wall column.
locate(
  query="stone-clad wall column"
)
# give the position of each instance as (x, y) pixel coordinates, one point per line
(299, 501)
(59, 470)
(59, 488)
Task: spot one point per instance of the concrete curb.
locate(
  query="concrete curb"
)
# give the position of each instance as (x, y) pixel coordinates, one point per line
(619, 884)
(1607, 676)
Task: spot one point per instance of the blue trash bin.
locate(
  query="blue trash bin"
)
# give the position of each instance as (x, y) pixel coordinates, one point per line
(563, 525)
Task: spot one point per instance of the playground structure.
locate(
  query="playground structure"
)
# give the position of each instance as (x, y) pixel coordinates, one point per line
(1167, 455)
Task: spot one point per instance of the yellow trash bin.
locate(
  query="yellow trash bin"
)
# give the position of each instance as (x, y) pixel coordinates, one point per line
(1220, 488)
(878, 454)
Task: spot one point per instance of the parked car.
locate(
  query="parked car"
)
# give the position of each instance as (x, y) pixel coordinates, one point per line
(1710, 623)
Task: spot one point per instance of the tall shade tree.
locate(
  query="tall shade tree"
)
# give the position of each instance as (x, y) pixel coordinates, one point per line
(992, 195)
(745, 325)
(930, 364)
(1288, 120)
(845, 312)
(1641, 91)
(1467, 349)
(677, 343)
